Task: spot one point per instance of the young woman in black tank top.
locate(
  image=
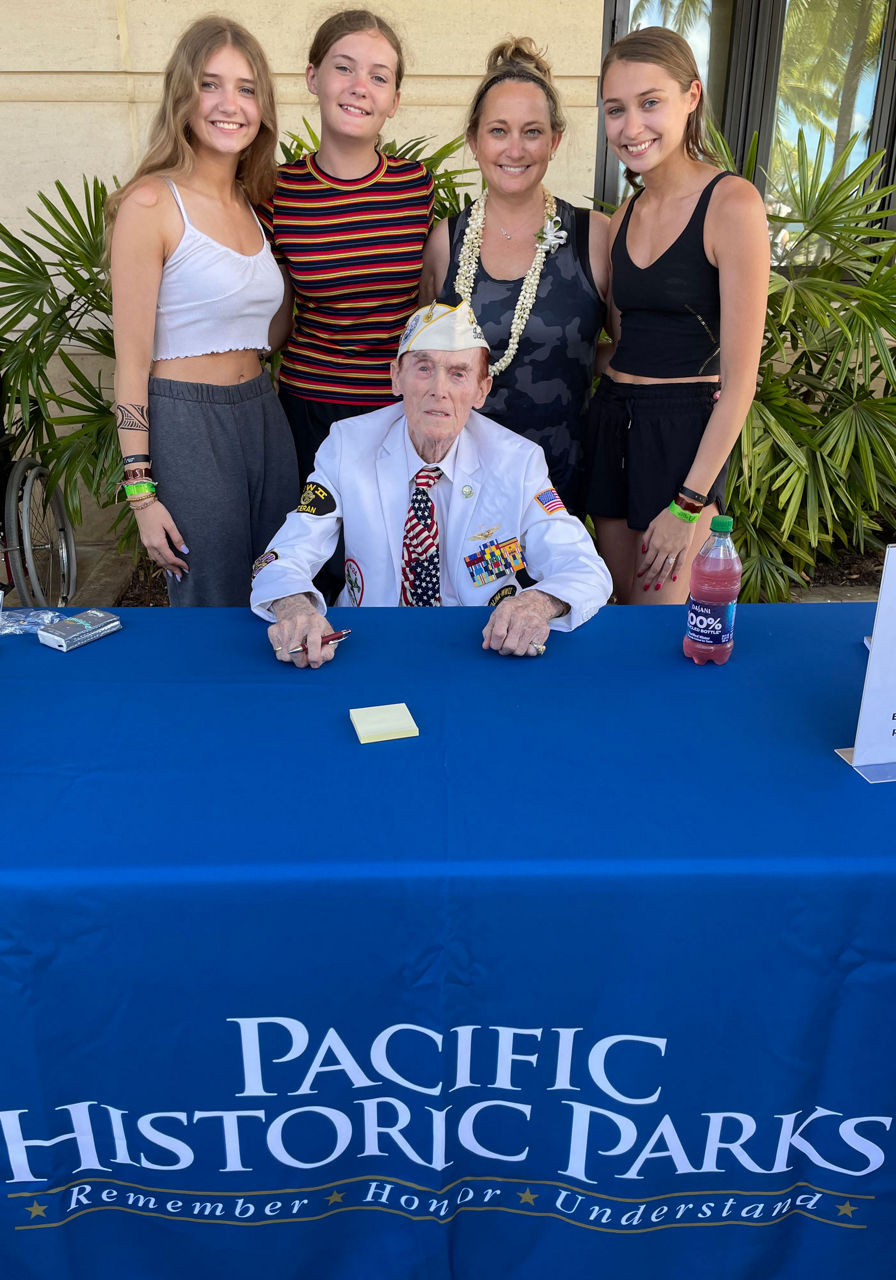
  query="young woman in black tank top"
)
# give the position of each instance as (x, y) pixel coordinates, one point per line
(689, 282)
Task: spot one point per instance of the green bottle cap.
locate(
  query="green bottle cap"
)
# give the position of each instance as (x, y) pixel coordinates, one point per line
(721, 524)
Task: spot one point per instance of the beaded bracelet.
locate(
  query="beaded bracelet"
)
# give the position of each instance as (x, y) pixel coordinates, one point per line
(689, 516)
(693, 495)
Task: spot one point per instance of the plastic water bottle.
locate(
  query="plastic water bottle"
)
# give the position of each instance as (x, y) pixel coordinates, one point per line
(715, 583)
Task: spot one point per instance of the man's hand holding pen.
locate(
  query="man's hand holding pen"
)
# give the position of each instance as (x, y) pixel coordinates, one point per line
(301, 635)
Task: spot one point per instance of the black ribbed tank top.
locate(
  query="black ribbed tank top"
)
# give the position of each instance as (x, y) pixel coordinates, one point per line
(670, 311)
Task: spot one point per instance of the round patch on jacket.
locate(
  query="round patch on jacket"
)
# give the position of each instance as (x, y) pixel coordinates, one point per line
(268, 558)
(316, 500)
(354, 581)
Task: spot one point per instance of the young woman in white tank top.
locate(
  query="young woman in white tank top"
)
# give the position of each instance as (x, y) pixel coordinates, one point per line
(209, 466)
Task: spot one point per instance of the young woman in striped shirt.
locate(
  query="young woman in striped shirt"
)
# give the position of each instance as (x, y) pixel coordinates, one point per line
(347, 225)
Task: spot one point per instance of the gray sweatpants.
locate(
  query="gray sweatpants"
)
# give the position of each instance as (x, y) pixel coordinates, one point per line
(225, 466)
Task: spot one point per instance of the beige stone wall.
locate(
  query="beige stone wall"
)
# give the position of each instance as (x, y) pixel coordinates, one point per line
(81, 77)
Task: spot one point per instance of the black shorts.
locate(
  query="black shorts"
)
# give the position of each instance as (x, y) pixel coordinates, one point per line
(641, 442)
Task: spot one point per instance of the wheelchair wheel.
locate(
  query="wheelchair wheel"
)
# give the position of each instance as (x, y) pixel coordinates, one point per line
(40, 541)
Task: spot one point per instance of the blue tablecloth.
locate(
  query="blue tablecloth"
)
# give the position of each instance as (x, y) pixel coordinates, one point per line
(596, 977)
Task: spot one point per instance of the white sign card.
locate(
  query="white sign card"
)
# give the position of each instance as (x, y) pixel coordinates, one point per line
(874, 755)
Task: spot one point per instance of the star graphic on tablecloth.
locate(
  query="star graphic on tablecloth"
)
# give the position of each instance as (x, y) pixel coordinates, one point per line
(526, 1197)
(37, 1210)
(335, 1198)
(846, 1209)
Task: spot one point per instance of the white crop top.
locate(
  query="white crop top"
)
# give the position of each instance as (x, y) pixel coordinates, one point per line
(212, 298)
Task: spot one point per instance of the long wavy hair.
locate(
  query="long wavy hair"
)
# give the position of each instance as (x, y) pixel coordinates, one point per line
(517, 58)
(667, 49)
(169, 150)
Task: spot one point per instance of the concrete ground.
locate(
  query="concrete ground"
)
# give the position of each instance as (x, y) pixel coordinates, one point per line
(836, 595)
(103, 573)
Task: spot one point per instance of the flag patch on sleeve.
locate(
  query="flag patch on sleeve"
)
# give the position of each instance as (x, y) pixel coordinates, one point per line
(550, 499)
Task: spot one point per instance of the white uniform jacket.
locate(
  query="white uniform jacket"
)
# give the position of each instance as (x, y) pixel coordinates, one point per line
(502, 514)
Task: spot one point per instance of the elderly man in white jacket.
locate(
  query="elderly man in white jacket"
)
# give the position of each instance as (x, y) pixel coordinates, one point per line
(438, 504)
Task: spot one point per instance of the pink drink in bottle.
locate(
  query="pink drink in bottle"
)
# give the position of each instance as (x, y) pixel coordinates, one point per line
(715, 583)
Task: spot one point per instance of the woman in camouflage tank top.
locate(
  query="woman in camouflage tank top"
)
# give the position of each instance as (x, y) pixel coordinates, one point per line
(541, 315)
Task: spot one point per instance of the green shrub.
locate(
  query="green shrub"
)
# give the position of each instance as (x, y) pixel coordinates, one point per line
(815, 466)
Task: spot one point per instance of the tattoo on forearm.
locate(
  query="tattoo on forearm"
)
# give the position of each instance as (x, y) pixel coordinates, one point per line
(132, 417)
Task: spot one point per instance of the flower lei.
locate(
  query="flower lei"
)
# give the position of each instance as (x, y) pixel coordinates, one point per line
(547, 239)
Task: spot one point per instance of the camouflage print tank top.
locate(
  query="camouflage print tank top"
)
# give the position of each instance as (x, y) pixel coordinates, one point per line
(543, 393)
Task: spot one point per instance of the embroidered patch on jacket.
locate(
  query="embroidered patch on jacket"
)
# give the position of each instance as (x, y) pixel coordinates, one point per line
(354, 581)
(493, 560)
(503, 593)
(551, 501)
(268, 558)
(316, 501)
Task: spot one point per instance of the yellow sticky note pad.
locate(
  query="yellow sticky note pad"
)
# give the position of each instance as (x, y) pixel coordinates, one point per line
(380, 724)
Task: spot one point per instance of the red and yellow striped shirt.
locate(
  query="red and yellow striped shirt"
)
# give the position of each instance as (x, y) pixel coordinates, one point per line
(354, 251)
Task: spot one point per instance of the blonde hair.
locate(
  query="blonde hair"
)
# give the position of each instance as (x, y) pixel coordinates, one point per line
(517, 58)
(346, 23)
(169, 149)
(667, 49)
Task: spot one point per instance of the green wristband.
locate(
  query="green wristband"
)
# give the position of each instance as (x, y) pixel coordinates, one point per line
(139, 490)
(690, 516)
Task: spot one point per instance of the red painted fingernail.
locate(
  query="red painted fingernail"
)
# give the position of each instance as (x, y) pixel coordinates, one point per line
(643, 547)
(646, 586)
(658, 586)
(674, 577)
(640, 573)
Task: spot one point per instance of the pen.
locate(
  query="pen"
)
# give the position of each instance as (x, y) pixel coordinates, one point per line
(333, 638)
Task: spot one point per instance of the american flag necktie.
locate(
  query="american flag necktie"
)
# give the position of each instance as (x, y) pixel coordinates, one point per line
(420, 548)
